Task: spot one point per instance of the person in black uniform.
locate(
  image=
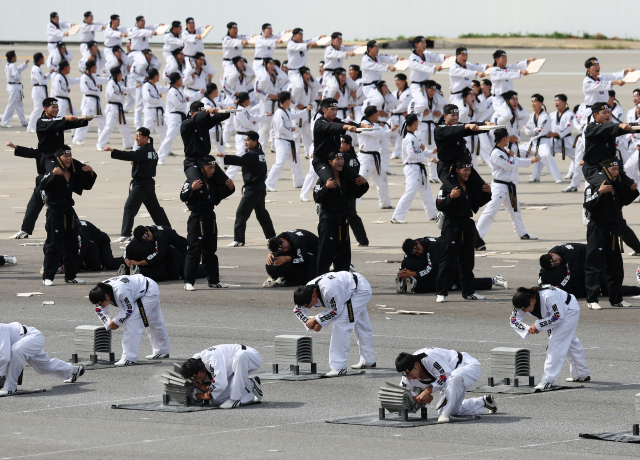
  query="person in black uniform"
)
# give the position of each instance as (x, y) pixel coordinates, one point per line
(293, 260)
(64, 176)
(142, 188)
(94, 249)
(459, 201)
(254, 190)
(332, 197)
(157, 252)
(419, 269)
(603, 204)
(327, 132)
(50, 131)
(353, 219)
(600, 145)
(197, 141)
(201, 196)
(564, 267)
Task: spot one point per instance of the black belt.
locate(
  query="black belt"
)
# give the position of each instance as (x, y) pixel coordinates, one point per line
(562, 139)
(429, 122)
(537, 147)
(46, 89)
(17, 83)
(344, 112)
(219, 136)
(293, 148)
(372, 83)
(355, 280)
(376, 159)
(423, 171)
(143, 314)
(68, 100)
(457, 92)
(226, 59)
(243, 347)
(121, 118)
(182, 115)
(24, 329)
(512, 193)
(260, 59)
(459, 359)
(159, 119)
(85, 43)
(192, 89)
(98, 107)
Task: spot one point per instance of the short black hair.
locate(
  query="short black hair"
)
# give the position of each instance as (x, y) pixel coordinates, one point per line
(302, 295)
(190, 368)
(284, 96)
(64, 63)
(409, 246)
(139, 232)
(97, 294)
(405, 362)
(275, 244)
(546, 261)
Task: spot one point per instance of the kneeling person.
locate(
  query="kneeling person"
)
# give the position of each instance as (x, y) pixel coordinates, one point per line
(293, 259)
(344, 296)
(139, 300)
(448, 371)
(221, 374)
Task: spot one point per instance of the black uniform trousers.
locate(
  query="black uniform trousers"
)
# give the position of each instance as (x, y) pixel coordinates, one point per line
(355, 222)
(34, 207)
(192, 169)
(428, 284)
(61, 243)
(202, 239)
(334, 245)
(603, 260)
(294, 274)
(142, 191)
(457, 257)
(99, 254)
(252, 200)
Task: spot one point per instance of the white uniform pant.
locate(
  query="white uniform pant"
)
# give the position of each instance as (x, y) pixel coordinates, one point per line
(485, 148)
(240, 150)
(138, 112)
(64, 109)
(238, 387)
(423, 135)
(284, 155)
(415, 182)
(570, 153)
(631, 166)
(419, 98)
(153, 120)
(296, 84)
(309, 181)
(29, 349)
(465, 375)
(499, 197)
(564, 344)
(302, 134)
(264, 126)
(457, 100)
(341, 332)
(157, 331)
(374, 96)
(14, 103)
(501, 107)
(80, 133)
(226, 132)
(172, 124)
(577, 169)
(111, 120)
(38, 94)
(131, 96)
(367, 170)
(546, 160)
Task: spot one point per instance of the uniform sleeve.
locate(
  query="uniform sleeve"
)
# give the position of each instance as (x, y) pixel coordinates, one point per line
(233, 160)
(592, 198)
(417, 64)
(334, 299)
(302, 313)
(504, 74)
(413, 150)
(595, 86)
(49, 180)
(103, 314)
(126, 308)
(26, 152)
(261, 89)
(280, 125)
(443, 200)
(408, 385)
(187, 192)
(558, 311)
(369, 64)
(5, 349)
(539, 132)
(219, 378)
(458, 71)
(503, 161)
(441, 371)
(516, 323)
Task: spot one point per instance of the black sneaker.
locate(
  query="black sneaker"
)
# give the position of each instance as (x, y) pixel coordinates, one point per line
(581, 379)
(76, 374)
(490, 403)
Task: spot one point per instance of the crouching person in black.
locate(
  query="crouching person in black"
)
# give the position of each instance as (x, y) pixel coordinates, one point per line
(459, 201)
(201, 196)
(419, 269)
(94, 249)
(332, 197)
(156, 252)
(254, 190)
(293, 260)
(603, 204)
(64, 177)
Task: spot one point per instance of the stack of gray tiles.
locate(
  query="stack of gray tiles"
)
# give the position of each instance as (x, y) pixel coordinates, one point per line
(509, 363)
(293, 349)
(90, 340)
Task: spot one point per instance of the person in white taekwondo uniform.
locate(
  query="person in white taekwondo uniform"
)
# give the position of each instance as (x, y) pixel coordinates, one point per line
(504, 168)
(595, 86)
(539, 144)
(558, 312)
(560, 135)
(88, 30)
(153, 107)
(62, 54)
(233, 46)
(334, 57)
(297, 50)
(437, 369)
(119, 58)
(399, 112)
(60, 89)
(175, 114)
(519, 117)
(113, 35)
(20, 344)
(194, 43)
(502, 76)
(344, 297)
(422, 65)
(139, 300)
(140, 34)
(175, 62)
(114, 111)
(92, 54)
(283, 122)
(267, 89)
(618, 116)
(39, 92)
(142, 64)
(172, 39)
(221, 375)
(196, 77)
(14, 88)
(415, 173)
(265, 46)
(90, 86)
(210, 100)
(428, 119)
(373, 66)
(55, 32)
(304, 134)
(369, 155)
(633, 116)
(461, 75)
(469, 113)
(484, 107)
(244, 122)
